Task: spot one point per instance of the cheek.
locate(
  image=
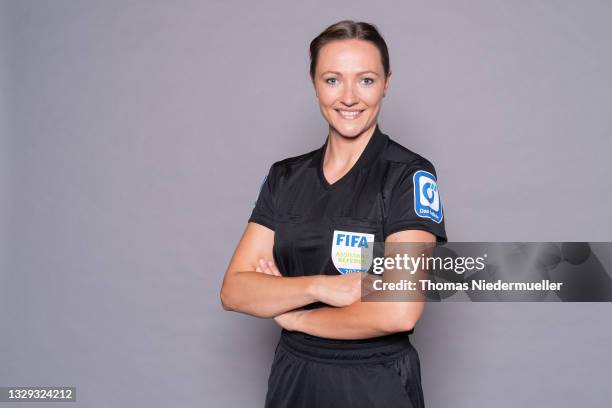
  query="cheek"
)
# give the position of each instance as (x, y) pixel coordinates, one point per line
(328, 97)
(372, 96)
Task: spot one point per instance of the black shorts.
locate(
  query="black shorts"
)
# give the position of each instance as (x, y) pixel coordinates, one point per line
(310, 371)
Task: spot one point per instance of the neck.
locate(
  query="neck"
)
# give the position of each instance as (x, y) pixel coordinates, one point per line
(342, 151)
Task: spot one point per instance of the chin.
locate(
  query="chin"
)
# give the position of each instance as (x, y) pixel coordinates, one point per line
(350, 129)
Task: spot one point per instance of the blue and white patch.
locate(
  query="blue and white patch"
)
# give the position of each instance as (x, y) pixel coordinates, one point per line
(426, 196)
(352, 251)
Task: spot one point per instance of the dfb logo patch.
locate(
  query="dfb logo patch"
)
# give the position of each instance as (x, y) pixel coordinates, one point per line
(427, 197)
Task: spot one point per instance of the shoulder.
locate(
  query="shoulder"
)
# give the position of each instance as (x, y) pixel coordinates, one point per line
(295, 160)
(291, 165)
(403, 159)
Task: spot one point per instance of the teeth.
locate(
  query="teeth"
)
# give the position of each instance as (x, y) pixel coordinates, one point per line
(348, 114)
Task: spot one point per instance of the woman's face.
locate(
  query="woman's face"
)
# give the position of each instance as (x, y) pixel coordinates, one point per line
(350, 81)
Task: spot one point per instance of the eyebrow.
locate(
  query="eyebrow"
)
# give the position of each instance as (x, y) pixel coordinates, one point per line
(358, 73)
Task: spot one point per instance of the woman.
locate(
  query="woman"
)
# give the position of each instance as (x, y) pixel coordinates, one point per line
(291, 263)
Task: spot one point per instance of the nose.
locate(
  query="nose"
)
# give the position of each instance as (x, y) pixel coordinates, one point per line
(349, 96)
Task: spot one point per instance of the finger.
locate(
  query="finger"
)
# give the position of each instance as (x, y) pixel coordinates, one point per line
(367, 284)
(370, 282)
(267, 269)
(279, 320)
(366, 290)
(264, 266)
(273, 268)
(260, 270)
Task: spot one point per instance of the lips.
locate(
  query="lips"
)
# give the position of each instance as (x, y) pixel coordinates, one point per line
(348, 114)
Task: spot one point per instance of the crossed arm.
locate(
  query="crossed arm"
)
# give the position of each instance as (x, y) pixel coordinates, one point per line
(253, 285)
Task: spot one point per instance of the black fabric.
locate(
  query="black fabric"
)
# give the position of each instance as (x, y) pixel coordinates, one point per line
(263, 212)
(309, 371)
(376, 196)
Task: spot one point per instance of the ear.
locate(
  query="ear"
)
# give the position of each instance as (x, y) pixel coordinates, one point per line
(387, 81)
(314, 86)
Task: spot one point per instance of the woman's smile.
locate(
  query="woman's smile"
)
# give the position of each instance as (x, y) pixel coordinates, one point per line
(349, 114)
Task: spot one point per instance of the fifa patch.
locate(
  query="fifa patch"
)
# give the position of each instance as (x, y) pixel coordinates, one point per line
(352, 251)
(427, 197)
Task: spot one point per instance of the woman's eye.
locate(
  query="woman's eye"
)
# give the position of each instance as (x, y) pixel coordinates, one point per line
(371, 81)
(328, 80)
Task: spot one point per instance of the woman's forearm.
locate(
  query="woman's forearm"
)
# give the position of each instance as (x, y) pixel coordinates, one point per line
(359, 320)
(262, 295)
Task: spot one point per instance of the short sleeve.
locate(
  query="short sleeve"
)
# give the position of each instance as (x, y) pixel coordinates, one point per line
(415, 202)
(263, 212)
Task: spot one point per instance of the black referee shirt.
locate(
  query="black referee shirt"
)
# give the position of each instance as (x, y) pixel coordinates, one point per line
(321, 227)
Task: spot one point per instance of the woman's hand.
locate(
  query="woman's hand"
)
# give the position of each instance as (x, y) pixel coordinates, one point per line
(341, 290)
(268, 267)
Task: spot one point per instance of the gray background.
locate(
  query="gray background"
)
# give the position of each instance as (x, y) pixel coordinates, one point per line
(135, 136)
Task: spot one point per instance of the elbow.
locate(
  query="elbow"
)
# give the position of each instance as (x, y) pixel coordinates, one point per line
(231, 303)
(405, 317)
(399, 325)
(233, 300)
(226, 300)
(406, 324)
